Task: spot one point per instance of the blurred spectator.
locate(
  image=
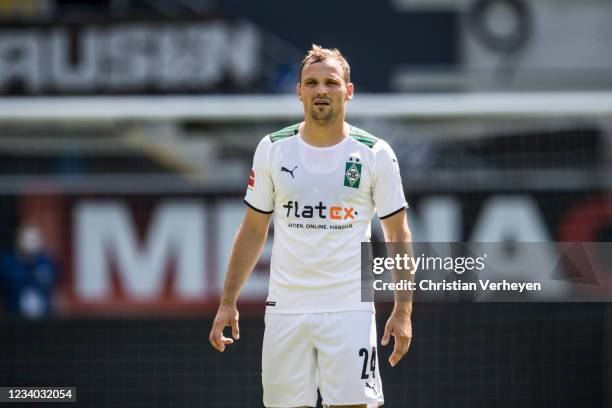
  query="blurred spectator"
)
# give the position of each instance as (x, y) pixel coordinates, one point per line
(28, 275)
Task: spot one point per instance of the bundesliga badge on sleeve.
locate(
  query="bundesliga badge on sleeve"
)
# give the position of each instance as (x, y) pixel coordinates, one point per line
(352, 173)
(251, 184)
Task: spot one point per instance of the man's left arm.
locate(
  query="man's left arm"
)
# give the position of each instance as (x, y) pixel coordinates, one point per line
(396, 230)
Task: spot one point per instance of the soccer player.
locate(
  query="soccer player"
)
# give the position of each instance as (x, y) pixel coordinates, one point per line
(322, 180)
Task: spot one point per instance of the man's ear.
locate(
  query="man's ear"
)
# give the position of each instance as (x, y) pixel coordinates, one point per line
(298, 89)
(350, 90)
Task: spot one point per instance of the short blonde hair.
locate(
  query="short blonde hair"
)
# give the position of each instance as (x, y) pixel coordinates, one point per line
(318, 54)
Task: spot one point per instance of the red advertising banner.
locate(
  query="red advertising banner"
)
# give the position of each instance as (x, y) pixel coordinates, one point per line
(168, 253)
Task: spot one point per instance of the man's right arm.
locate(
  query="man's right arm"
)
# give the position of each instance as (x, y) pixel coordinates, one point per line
(246, 250)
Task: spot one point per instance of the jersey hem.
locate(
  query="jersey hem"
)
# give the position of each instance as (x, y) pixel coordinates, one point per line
(257, 209)
(365, 308)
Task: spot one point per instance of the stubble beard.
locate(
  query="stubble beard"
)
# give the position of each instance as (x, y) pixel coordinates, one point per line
(324, 117)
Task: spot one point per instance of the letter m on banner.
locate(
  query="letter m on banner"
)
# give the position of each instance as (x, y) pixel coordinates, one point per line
(104, 232)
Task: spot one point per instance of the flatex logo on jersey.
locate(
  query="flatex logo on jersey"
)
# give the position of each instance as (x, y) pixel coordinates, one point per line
(335, 214)
(307, 211)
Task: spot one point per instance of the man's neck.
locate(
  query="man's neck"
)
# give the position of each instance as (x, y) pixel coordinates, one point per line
(324, 135)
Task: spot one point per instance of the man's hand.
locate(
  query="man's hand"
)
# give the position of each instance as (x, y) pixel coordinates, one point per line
(226, 316)
(247, 247)
(399, 326)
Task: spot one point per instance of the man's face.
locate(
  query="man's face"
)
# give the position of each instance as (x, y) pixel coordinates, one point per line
(323, 91)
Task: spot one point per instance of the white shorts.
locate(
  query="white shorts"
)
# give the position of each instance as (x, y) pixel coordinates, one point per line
(335, 352)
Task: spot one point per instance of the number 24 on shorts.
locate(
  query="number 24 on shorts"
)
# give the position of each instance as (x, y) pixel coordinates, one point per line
(364, 353)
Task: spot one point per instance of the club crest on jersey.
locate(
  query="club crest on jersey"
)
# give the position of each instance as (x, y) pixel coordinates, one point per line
(352, 173)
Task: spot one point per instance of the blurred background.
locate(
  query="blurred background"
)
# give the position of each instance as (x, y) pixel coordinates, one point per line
(127, 129)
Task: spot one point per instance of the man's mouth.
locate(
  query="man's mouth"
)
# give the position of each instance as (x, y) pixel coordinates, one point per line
(321, 103)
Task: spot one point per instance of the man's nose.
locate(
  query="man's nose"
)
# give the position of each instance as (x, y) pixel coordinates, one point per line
(320, 90)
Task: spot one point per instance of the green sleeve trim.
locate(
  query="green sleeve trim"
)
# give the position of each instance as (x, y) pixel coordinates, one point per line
(284, 133)
(363, 137)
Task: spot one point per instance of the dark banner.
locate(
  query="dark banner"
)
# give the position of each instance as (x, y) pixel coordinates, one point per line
(138, 57)
(245, 49)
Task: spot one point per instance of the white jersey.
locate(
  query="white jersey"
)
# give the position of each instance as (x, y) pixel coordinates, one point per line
(323, 199)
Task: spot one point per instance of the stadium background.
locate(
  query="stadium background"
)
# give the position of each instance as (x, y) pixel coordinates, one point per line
(126, 134)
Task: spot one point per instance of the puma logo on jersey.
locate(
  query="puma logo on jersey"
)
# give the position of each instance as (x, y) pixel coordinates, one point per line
(288, 171)
(370, 386)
